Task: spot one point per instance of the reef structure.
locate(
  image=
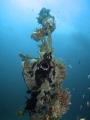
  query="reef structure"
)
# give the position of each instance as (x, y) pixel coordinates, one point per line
(44, 76)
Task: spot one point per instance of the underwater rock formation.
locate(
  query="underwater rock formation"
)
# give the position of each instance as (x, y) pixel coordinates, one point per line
(44, 76)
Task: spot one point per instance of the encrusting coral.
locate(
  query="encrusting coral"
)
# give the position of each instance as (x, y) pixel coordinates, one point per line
(44, 76)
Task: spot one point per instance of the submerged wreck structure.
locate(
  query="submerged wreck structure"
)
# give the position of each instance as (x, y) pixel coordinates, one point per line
(44, 76)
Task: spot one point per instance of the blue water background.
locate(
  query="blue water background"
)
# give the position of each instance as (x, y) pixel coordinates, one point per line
(71, 42)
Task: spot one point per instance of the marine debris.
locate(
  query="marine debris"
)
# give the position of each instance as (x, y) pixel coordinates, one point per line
(44, 77)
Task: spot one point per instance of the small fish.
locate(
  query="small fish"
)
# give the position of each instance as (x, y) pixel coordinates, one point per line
(73, 89)
(88, 76)
(83, 96)
(70, 66)
(70, 103)
(79, 61)
(68, 61)
(80, 107)
(89, 88)
(82, 119)
(78, 117)
(88, 103)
